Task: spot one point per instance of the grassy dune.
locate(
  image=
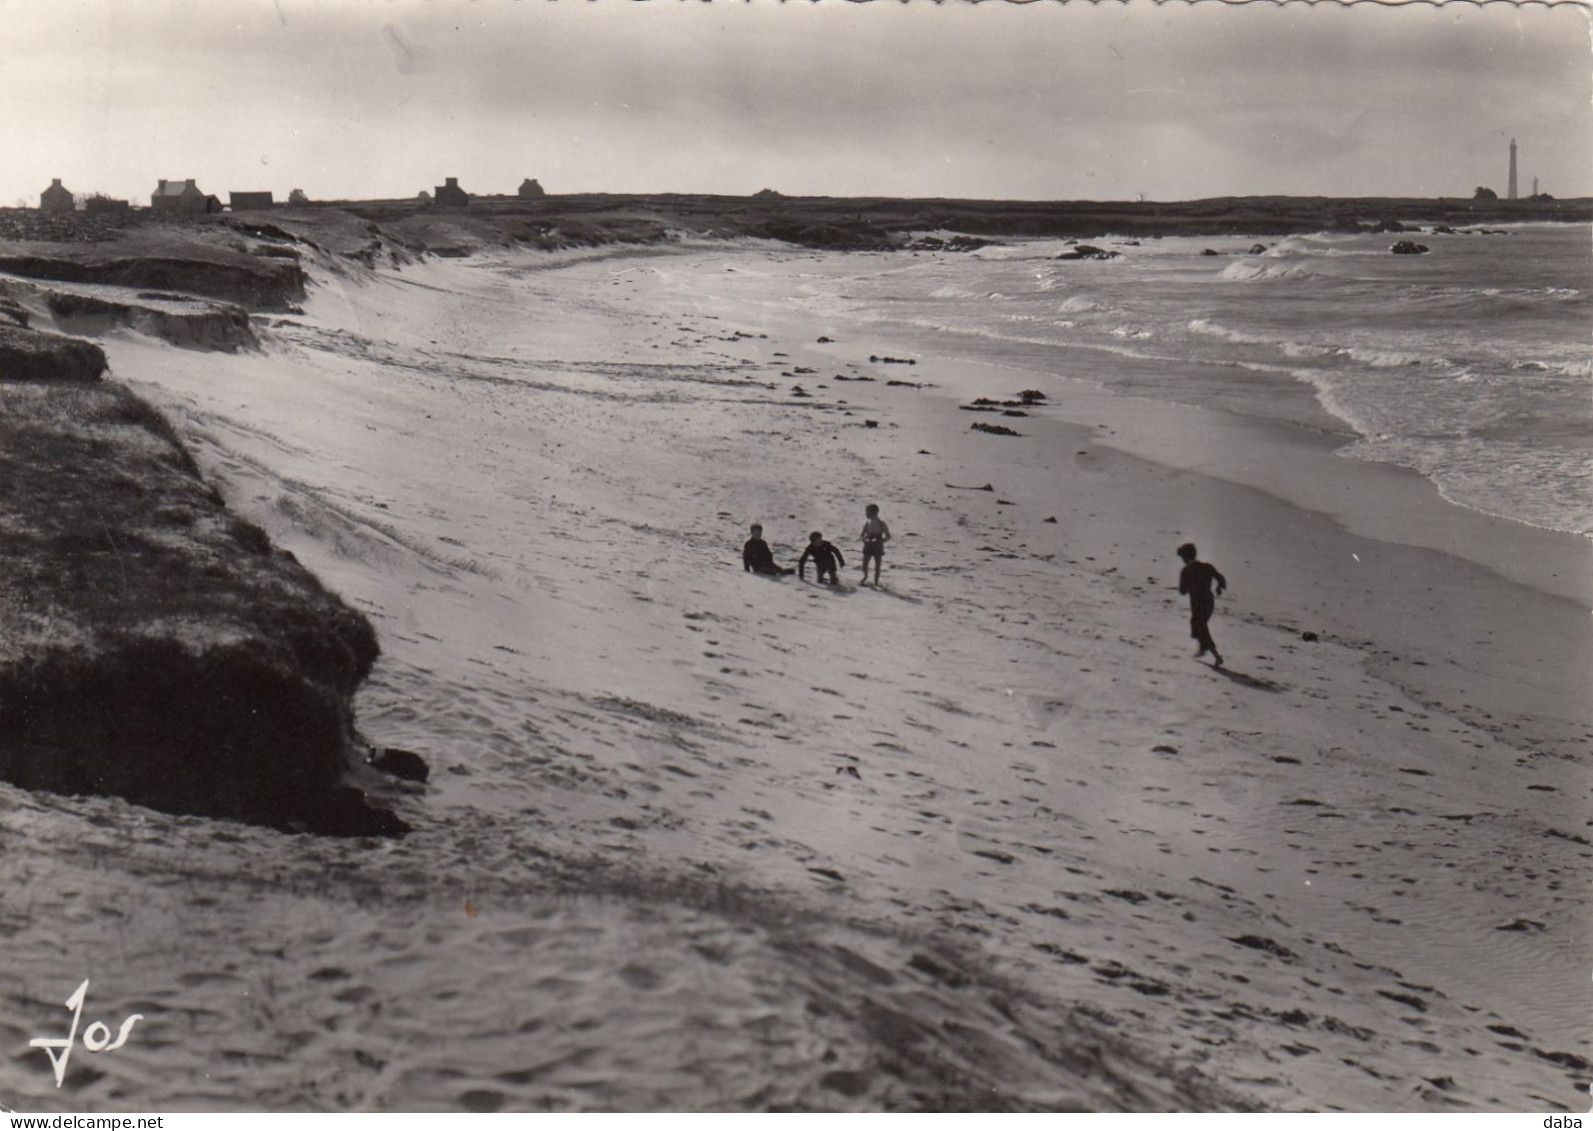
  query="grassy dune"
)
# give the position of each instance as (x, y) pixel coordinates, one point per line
(153, 645)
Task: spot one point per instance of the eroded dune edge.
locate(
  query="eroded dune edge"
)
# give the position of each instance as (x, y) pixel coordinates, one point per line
(156, 646)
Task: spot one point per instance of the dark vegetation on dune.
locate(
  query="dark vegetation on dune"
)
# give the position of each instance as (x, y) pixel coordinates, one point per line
(47, 357)
(154, 646)
(262, 282)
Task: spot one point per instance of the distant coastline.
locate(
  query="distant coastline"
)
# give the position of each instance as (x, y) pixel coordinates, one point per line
(831, 223)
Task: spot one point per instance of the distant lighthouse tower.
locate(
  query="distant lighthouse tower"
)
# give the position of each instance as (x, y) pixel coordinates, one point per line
(1512, 169)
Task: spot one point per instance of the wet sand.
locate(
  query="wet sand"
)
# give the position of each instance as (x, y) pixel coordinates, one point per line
(985, 837)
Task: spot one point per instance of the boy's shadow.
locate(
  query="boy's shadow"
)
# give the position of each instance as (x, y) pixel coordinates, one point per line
(1255, 683)
(876, 587)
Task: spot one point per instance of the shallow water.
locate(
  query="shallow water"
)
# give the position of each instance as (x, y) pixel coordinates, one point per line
(1470, 364)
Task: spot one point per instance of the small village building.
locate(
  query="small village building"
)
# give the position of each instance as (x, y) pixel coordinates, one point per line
(55, 198)
(297, 197)
(450, 195)
(243, 201)
(530, 190)
(180, 197)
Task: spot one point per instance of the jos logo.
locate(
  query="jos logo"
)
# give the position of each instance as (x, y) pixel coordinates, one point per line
(96, 1038)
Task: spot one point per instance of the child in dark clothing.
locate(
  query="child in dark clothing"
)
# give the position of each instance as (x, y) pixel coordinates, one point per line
(824, 555)
(756, 557)
(1195, 579)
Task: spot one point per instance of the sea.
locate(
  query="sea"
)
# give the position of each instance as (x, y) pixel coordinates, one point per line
(1471, 364)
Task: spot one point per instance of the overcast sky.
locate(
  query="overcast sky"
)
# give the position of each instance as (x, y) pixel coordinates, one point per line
(381, 98)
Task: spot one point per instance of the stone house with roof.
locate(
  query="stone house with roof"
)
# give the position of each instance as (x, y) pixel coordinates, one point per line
(450, 195)
(179, 196)
(56, 198)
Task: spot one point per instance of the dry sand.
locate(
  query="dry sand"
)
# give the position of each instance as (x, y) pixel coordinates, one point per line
(986, 836)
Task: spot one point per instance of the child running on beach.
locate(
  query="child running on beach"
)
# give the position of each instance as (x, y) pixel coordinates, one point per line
(875, 535)
(756, 557)
(824, 555)
(1195, 579)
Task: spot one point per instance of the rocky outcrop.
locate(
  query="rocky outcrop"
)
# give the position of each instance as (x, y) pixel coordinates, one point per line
(1087, 251)
(28, 355)
(955, 243)
(152, 645)
(1409, 247)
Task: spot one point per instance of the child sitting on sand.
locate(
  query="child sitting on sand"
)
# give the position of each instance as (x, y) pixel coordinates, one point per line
(1195, 579)
(875, 535)
(756, 557)
(824, 556)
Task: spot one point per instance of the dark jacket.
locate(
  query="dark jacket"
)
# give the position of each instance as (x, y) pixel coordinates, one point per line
(824, 555)
(756, 557)
(1195, 579)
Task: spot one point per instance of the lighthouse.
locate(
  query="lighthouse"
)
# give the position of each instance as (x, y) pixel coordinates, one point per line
(1512, 169)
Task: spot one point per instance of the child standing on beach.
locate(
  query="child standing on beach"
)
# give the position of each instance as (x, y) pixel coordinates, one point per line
(824, 556)
(1195, 579)
(875, 535)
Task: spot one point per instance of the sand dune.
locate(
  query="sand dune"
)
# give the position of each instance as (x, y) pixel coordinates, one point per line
(983, 837)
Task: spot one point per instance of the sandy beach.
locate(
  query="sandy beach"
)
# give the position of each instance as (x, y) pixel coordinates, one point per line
(986, 836)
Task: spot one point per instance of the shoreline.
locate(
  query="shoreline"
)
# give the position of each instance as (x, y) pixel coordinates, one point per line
(1226, 443)
(1520, 589)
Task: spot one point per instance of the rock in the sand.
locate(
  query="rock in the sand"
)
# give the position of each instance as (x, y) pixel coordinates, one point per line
(1522, 925)
(1310, 636)
(1258, 248)
(401, 764)
(1409, 247)
(28, 355)
(870, 424)
(1260, 942)
(1086, 251)
(993, 429)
